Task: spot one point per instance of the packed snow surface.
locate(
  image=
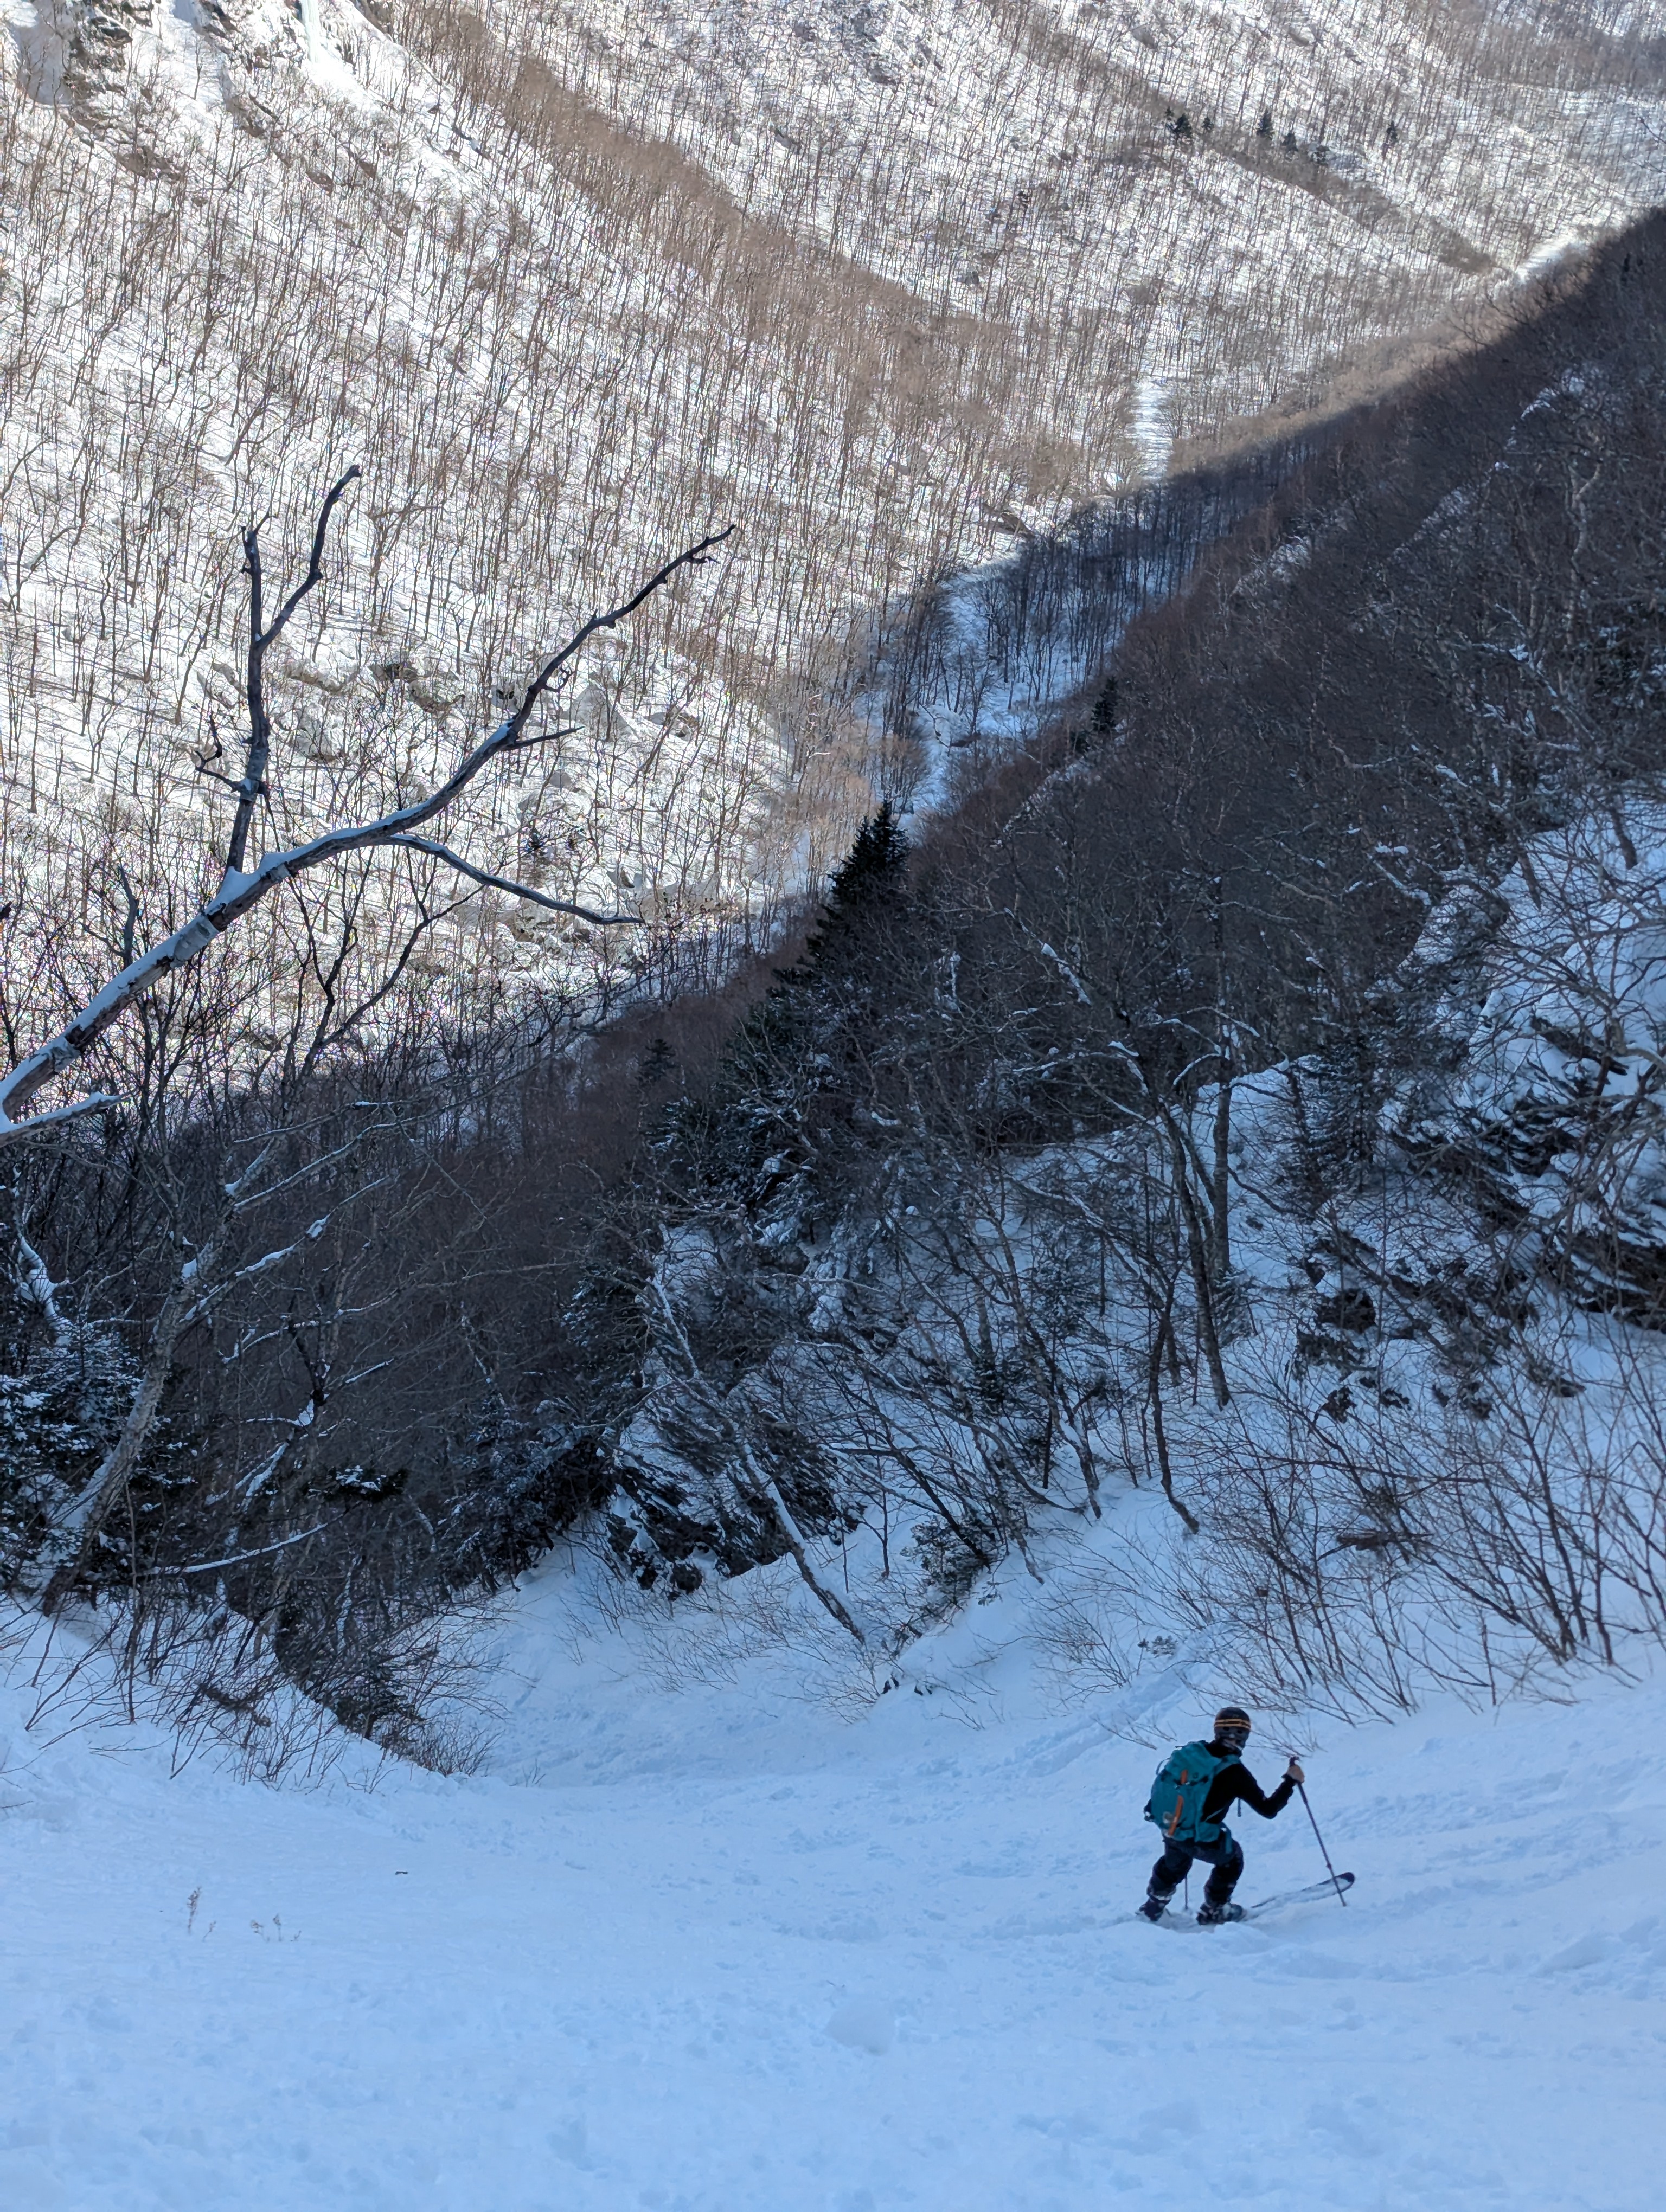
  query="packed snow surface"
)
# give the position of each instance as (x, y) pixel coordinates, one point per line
(702, 1947)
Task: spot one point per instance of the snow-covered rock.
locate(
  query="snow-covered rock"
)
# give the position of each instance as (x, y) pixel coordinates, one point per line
(1551, 1006)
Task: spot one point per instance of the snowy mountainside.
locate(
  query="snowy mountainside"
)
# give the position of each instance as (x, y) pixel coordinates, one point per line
(1003, 156)
(720, 1910)
(712, 1947)
(886, 285)
(1410, 1435)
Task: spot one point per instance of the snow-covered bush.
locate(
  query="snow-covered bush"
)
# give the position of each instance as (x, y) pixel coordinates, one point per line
(64, 1391)
(1555, 1097)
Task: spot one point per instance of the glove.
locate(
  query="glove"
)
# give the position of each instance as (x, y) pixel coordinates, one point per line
(1293, 1771)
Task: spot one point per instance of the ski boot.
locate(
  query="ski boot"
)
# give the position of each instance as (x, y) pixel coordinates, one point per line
(1156, 1904)
(1214, 1916)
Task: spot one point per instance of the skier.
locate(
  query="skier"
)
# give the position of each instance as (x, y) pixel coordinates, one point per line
(1195, 1788)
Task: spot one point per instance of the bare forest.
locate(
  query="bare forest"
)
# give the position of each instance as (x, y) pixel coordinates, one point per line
(891, 290)
(498, 507)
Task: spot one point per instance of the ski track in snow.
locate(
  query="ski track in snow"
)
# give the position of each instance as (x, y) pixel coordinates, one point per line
(719, 1951)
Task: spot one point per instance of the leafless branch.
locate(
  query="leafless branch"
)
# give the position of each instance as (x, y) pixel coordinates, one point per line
(253, 787)
(520, 891)
(240, 892)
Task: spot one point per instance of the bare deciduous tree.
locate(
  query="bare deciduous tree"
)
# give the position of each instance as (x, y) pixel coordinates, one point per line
(240, 890)
(207, 1223)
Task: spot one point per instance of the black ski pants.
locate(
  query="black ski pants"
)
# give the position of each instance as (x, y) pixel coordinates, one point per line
(1224, 1859)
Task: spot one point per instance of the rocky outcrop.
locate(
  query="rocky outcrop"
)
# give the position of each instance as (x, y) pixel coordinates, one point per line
(98, 40)
(1549, 1047)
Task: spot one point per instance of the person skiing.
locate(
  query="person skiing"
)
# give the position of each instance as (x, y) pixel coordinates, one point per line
(1196, 1787)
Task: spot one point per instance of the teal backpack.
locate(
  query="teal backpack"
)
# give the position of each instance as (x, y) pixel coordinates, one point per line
(1181, 1787)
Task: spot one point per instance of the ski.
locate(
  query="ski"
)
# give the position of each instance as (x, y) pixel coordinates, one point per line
(1311, 1895)
(1308, 1896)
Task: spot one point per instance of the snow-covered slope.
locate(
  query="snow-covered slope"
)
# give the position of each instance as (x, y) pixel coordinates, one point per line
(1025, 160)
(887, 284)
(712, 1946)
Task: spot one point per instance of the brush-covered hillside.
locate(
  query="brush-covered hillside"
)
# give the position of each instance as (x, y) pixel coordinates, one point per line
(885, 286)
(1246, 1097)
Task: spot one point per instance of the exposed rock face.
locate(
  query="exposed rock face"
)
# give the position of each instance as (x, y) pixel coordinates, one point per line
(224, 18)
(98, 44)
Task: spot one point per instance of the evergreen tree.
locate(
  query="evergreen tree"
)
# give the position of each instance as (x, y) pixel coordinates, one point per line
(806, 1038)
(872, 872)
(749, 1175)
(658, 1065)
(1264, 128)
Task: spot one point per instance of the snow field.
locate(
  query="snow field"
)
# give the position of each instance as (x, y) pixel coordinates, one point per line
(715, 1947)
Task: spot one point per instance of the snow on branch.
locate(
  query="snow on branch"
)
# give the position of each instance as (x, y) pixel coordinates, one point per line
(237, 1559)
(241, 890)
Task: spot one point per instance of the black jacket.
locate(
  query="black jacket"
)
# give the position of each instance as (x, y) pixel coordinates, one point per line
(1236, 1785)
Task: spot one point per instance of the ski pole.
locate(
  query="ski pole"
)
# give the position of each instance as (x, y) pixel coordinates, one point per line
(1320, 1840)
